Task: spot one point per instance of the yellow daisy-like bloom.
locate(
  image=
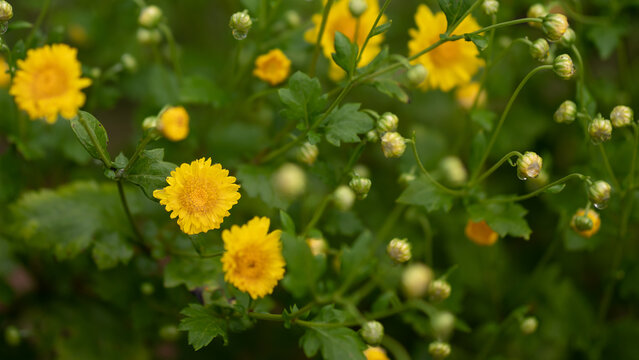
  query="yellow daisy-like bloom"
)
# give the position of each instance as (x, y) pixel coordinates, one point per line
(480, 233)
(593, 216)
(48, 82)
(272, 67)
(340, 19)
(466, 94)
(252, 259)
(174, 123)
(450, 64)
(375, 353)
(200, 195)
(5, 78)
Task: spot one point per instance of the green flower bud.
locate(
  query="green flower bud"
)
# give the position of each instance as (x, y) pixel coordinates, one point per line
(582, 223)
(540, 50)
(150, 16)
(372, 332)
(566, 113)
(600, 130)
(343, 197)
(416, 75)
(439, 349)
(148, 37)
(490, 7)
(454, 171)
(129, 62)
(151, 122)
(406, 178)
(439, 290)
(6, 11)
(169, 333)
(621, 115)
(529, 165)
(554, 26)
(307, 153)
(564, 67)
(293, 18)
(372, 136)
(357, 7)
(568, 38)
(147, 288)
(599, 194)
(528, 325)
(416, 279)
(361, 186)
(399, 250)
(12, 336)
(443, 324)
(387, 122)
(240, 23)
(536, 11)
(393, 145)
(289, 180)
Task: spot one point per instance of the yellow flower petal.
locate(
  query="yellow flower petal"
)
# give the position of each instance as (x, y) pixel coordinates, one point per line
(272, 67)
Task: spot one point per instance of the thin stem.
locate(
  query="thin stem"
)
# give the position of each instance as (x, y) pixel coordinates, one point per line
(538, 191)
(196, 255)
(368, 37)
(318, 42)
(138, 151)
(103, 156)
(463, 17)
(429, 176)
(493, 138)
(484, 75)
(606, 162)
(38, 23)
(129, 216)
(396, 348)
(173, 47)
(633, 161)
(497, 165)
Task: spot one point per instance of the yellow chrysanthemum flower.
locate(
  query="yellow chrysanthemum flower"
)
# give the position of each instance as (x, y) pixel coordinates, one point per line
(5, 78)
(466, 95)
(450, 64)
(340, 19)
(375, 353)
(48, 82)
(272, 67)
(480, 233)
(174, 123)
(252, 259)
(200, 195)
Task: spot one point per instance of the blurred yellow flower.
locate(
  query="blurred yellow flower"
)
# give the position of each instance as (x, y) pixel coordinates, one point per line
(174, 123)
(5, 78)
(48, 82)
(340, 19)
(78, 34)
(480, 233)
(466, 95)
(200, 195)
(272, 67)
(252, 259)
(375, 353)
(593, 216)
(450, 64)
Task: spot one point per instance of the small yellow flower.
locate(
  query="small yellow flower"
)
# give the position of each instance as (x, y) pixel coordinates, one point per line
(48, 82)
(253, 260)
(200, 195)
(450, 64)
(340, 19)
(466, 95)
(272, 67)
(594, 218)
(174, 123)
(480, 233)
(5, 78)
(375, 353)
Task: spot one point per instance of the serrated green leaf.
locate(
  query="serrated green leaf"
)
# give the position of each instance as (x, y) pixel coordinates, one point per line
(345, 52)
(96, 130)
(256, 181)
(109, 249)
(480, 41)
(150, 172)
(423, 192)
(454, 10)
(503, 218)
(338, 343)
(345, 123)
(391, 88)
(302, 268)
(203, 325)
(303, 97)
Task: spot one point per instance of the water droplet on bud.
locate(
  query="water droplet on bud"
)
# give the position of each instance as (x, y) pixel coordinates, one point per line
(601, 206)
(239, 35)
(522, 177)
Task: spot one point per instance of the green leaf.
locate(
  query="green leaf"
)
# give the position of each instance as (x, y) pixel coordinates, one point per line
(302, 268)
(484, 118)
(203, 325)
(380, 29)
(192, 272)
(503, 218)
(335, 343)
(110, 249)
(345, 52)
(377, 61)
(96, 130)
(555, 189)
(303, 98)
(357, 259)
(606, 38)
(480, 41)
(150, 171)
(288, 225)
(201, 91)
(454, 10)
(391, 88)
(19, 25)
(423, 192)
(256, 181)
(344, 123)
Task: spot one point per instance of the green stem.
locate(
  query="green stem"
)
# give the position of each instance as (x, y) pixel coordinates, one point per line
(538, 191)
(493, 138)
(94, 140)
(138, 151)
(633, 161)
(497, 165)
(463, 17)
(429, 176)
(129, 216)
(368, 37)
(606, 162)
(428, 239)
(484, 75)
(173, 47)
(38, 23)
(396, 348)
(318, 42)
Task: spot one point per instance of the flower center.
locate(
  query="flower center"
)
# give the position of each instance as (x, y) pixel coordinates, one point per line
(445, 54)
(198, 197)
(248, 264)
(49, 82)
(273, 65)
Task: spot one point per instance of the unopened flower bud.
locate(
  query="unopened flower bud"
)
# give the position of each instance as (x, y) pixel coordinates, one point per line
(308, 153)
(240, 23)
(554, 26)
(393, 144)
(540, 49)
(454, 171)
(150, 16)
(416, 279)
(293, 18)
(566, 113)
(129, 62)
(529, 165)
(169, 333)
(344, 197)
(443, 324)
(439, 290)
(387, 122)
(147, 288)
(568, 38)
(599, 194)
(585, 224)
(406, 178)
(357, 7)
(12, 335)
(600, 130)
(290, 180)
(361, 170)
(564, 67)
(6, 11)
(537, 11)
(621, 115)
(416, 75)
(318, 246)
(528, 325)
(439, 349)
(148, 37)
(151, 122)
(361, 186)
(372, 136)
(372, 332)
(399, 250)
(490, 7)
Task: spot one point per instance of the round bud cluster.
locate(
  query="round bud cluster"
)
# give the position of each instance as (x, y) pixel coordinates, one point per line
(372, 332)
(490, 7)
(361, 186)
(564, 67)
(568, 38)
(416, 279)
(416, 75)
(529, 165)
(599, 194)
(387, 122)
(529, 325)
(357, 7)
(554, 26)
(308, 153)
(289, 180)
(566, 113)
(240, 24)
(540, 50)
(343, 197)
(399, 250)
(150, 16)
(439, 290)
(439, 349)
(600, 130)
(6, 11)
(585, 223)
(318, 246)
(621, 116)
(393, 145)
